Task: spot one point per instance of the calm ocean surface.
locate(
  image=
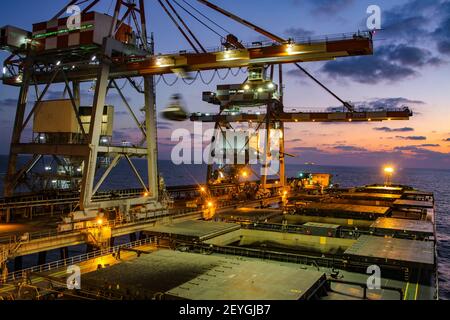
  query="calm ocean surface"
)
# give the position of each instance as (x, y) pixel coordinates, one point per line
(437, 181)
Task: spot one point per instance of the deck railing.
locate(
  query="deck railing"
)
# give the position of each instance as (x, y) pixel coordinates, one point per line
(17, 275)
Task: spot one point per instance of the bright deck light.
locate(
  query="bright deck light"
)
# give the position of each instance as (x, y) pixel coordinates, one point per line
(389, 170)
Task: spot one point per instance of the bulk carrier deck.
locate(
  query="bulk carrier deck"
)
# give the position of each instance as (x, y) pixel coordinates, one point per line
(320, 249)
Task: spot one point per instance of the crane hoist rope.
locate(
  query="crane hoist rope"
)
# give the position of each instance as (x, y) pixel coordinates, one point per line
(203, 15)
(198, 19)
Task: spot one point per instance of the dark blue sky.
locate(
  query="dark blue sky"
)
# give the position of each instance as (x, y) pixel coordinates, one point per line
(410, 66)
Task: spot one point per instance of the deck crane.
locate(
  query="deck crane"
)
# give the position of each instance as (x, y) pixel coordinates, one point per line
(103, 50)
(275, 115)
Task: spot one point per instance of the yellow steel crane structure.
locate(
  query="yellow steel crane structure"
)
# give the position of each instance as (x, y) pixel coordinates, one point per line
(56, 54)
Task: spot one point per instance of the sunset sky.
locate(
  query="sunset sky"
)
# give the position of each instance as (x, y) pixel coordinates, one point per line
(411, 66)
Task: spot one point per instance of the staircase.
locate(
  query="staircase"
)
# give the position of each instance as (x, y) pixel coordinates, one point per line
(4, 253)
(7, 250)
(97, 238)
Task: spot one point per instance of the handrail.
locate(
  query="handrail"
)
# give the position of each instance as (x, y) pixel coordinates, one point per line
(297, 40)
(172, 213)
(17, 275)
(61, 199)
(313, 111)
(272, 255)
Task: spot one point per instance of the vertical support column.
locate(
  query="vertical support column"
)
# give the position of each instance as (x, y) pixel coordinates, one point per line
(8, 215)
(17, 131)
(282, 159)
(77, 99)
(142, 235)
(42, 258)
(76, 93)
(211, 158)
(267, 153)
(89, 248)
(283, 180)
(152, 136)
(18, 263)
(64, 253)
(95, 128)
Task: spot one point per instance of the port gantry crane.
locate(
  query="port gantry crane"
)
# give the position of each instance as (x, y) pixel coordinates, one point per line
(105, 49)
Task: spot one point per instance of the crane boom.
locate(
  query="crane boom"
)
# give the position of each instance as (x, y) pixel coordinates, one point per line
(285, 117)
(134, 66)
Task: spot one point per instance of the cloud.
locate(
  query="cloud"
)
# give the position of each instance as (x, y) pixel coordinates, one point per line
(297, 33)
(386, 129)
(420, 21)
(411, 33)
(295, 140)
(324, 7)
(307, 149)
(380, 104)
(390, 63)
(442, 36)
(388, 103)
(415, 138)
(430, 145)
(410, 20)
(408, 55)
(350, 148)
(407, 157)
(447, 140)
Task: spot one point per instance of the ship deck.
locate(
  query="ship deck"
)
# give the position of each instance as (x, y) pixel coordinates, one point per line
(320, 252)
(193, 230)
(392, 251)
(393, 226)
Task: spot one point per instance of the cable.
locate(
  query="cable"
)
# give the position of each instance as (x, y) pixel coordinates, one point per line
(193, 16)
(204, 16)
(346, 104)
(178, 26)
(208, 82)
(237, 73)
(158, 81)
(226, 75)
(124, 85)
(186, 26)
(192, 81)
(170, 84)
(197, 76)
